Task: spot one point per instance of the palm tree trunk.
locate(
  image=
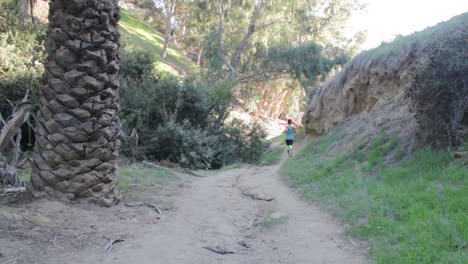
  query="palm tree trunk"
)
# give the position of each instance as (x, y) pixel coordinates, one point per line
(77, 138)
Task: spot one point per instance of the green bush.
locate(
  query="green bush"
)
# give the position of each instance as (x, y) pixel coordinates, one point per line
(193, 147)
(183, 122)
(250, 140)
(135, 63)
(21, 56)
(440, 89)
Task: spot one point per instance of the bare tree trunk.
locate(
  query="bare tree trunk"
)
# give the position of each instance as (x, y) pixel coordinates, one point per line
(24, 7)
(251, 29)
(283, 103)
(276, 103)
(199, 56)
(169, 5)
(270, 102)
(266, 94)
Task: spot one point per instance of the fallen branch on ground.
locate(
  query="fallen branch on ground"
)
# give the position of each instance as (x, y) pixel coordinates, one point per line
(220, 250)
(16, 217)
(14, 190)
(111, 243)
(257, 196)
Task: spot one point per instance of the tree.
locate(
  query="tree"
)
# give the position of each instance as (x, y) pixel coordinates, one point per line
(25, 8)
(78, 126)
(260, 41)
(169, 9)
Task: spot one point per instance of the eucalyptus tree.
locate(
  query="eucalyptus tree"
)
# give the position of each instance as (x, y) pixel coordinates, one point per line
(169, 11)
(25, 8)
(255, 42)
(77, 135)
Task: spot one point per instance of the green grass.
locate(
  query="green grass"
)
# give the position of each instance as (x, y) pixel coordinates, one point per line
(26, 177)
(271, 157)
(268, 222)
(411, 212)
(139, 176)
(141, 36)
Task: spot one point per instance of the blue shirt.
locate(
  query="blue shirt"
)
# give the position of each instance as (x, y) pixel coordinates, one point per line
(290, 133)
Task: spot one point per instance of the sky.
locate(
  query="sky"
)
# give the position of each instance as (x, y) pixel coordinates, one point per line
(384, 19)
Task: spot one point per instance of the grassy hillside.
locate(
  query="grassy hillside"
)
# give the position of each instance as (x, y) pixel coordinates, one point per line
(411, 209)
(136, 33)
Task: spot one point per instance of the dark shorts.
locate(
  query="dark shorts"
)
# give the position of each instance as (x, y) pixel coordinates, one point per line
(289, 142)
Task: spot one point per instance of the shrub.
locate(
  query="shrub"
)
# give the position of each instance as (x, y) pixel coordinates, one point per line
(21, 56)
(193, 147)
(182, 122)
(441, 89)
(135, 63)
(250, 140)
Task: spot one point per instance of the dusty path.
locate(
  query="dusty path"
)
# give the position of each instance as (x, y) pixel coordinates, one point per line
(215, 212)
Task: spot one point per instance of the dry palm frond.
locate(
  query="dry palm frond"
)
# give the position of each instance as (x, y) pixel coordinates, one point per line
(16, 217)
(17, 119)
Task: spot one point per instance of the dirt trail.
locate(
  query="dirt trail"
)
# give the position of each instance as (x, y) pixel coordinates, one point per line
(218, 211)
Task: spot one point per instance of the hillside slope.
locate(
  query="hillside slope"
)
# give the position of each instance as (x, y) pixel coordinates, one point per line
(415, 87)
(371, 162)
(135, 32)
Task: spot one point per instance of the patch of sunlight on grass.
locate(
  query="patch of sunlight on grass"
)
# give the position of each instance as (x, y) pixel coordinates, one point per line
(413, 211)
(140, 35)
(163, 67)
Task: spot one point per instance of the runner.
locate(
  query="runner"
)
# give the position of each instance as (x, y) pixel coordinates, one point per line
(290, 130)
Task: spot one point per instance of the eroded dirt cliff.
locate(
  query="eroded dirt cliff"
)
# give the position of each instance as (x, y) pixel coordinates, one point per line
(386, 89)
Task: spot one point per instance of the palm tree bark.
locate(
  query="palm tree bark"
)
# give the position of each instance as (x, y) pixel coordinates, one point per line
(77, 138)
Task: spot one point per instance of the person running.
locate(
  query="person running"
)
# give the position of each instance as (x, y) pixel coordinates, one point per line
(290, 130)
